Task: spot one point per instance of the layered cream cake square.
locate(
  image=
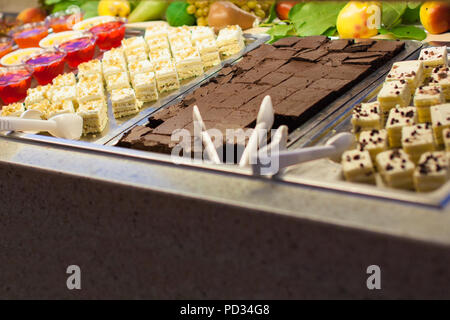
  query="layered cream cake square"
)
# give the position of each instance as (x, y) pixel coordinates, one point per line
(133, 43)
(166, 76)
(90, 67)
(91, 78)
(140, 67)
(13, 110)
(156, 30)
(188, 63)
(158, 42)
(417, 139)
(411, 71)
(94, 114)
(441, 76)
(64, 93)
(110, 67)
(209, 52)
(136, 54)
(87, 91)
(144, 85)
(64, 80)
(118, 81)
(446, 138)
(60, 107)
(396, 168)
(124, 102)
(440, 119)
(230, 40)
(366, 116)
(399, 118)
(115, 55)
(201, 33)
(392, 94)
(161, 54)
(34, 95)
(41, 106)
(424, 98)
(180, 44)
(433, 57)
(374, 141)
(357, 166)
(432, 171)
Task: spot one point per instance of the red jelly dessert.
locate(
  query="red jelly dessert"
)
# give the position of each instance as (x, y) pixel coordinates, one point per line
(14, 83)
(109, 34)
(64, 20)
(6, 44)
(80, 49)
(29, 34)
(47, 65)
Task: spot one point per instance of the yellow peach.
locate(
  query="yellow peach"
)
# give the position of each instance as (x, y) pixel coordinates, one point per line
(359, 19)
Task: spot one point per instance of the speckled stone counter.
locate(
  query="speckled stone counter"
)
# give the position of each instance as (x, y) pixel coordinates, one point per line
(141, 229)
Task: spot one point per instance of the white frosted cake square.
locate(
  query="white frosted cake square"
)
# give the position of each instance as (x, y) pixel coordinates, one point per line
(396, 168)
(392, 94)
(94, 114)
(399, 118)
(411, 71)
(417, 139)
(440, 119)
(357, 166)
(433, 57)
(441, 76)
(432, 171)
(93, 66)
(64, 80)
(144, 85)
(166, 76)
(424, 98)
(13, 110)
(124, 102)
(374, 141)
(118, 81)
(366, 116)
(230, 40)
(60, 107)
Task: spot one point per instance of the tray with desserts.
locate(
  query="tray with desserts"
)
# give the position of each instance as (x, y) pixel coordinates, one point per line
(401, 126)
(125, 84)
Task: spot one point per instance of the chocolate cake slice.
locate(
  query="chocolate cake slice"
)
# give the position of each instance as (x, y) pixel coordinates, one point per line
(302, 76)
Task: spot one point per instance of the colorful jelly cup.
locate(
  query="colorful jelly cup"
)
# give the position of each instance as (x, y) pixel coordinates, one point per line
(79, 50)
(18, 57)
(64, 20)
(47, 65)
(6, 44)
(109, 34)
(14, 83)
(55, 39)
(29, 34)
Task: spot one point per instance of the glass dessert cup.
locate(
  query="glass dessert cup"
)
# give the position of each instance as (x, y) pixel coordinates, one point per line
(6, 45)
(29, 35)
(14, 83)
(64, 20)
(55, 39)
(47, 65)
(18, 57)
(80, 49)
(109, 34)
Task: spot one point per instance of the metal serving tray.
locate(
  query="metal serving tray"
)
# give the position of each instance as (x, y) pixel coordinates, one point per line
(117, 127)
(323, 174)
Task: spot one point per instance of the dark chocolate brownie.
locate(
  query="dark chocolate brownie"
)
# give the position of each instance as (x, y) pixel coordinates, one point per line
(302, 75)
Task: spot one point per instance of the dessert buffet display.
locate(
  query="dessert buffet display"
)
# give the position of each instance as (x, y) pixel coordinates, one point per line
(135, 74)
(301, 75)
(404, 143)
